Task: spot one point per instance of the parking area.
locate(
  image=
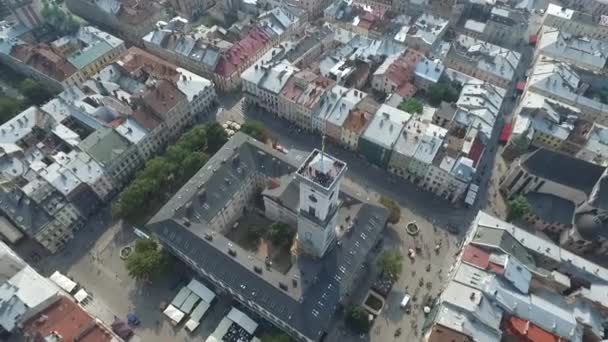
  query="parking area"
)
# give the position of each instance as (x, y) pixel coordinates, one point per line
(99, 270)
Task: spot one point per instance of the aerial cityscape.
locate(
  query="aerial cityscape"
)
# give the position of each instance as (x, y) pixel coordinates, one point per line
(304, 170)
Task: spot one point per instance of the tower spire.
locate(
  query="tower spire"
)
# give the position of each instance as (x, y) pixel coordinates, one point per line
(322, 152)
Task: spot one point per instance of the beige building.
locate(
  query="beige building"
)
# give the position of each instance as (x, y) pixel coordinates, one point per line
(482, 60)
(577, 23)
(301, 97)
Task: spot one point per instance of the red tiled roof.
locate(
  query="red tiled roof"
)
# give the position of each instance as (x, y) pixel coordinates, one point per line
(357, 120)
(476, 256)
(476, 151)
(527, 331)
(241, 52)
(146, 119)
(43, 59)
(401, 72)
(137, 60)
(69, 320)
(162, 96)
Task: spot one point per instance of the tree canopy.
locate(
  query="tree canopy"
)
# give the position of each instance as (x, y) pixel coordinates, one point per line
(280, 234)
(163, 175)
(147, 260)
(412, 106)
(36, 92)
(394, 211)
(256, 129)
(63, 23)
(390, 264)
(518, 208)
(442, 92)
(357, 319)
(275, 338)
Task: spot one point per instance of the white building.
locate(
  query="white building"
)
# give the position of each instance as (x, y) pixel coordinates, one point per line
(320, 176)
(587, 53)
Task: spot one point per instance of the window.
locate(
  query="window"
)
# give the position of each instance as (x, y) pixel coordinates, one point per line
(311, 210)
(312, 198)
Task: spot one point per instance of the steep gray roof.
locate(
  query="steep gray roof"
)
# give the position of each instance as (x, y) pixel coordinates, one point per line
(563, 169)
(311, 288)
(551, 208)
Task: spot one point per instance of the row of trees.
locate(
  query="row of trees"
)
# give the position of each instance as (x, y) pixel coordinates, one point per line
(35, 93)
(256, 130)
(164, 175)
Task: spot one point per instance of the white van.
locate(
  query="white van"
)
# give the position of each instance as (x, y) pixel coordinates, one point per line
(405, 301)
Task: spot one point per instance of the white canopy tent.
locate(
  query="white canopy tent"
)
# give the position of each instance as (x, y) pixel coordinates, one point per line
(81, 295)
(201, 290)
(62, 281)
(220, 331)
(174, 314)
(181, 297)
(189, 303)
(242, 320)
(197, 314)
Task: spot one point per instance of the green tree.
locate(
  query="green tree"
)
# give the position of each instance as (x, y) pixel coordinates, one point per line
(58, 19)
(280, 234)
(190, 166)
(394, 211)
(255, 129)
(147, 260)
(357, 319)
(442, 92)
(276, 338)
(36, 92)
(411, 106)
(518, 208)
(390, 264)
(216, 137)
(255, 233)
(9, 107)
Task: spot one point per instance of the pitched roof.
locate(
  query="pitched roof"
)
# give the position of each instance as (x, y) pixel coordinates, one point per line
(563, 169)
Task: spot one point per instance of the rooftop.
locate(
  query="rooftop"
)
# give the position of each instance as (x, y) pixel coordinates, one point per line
(487, 57)
(321, 169)
(573, 172)
(67, 321)
(582, 51)
(306, 88)
(104, 145)
(386, 126)
(241, 52)
(338, 103)
(428, 28)
(306, 296)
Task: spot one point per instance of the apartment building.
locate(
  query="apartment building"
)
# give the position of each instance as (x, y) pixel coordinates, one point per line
(263, 82)
(129, 19)
(67, 61)
(301, 97)
(405, 74)
(509, 284)
(570, 85)
(336, 105)
(206, 52)
(575, 22)
(426, 33)
(581, 51)
(501, 26)
(482, 60)
(76, 151)
(377, 141)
